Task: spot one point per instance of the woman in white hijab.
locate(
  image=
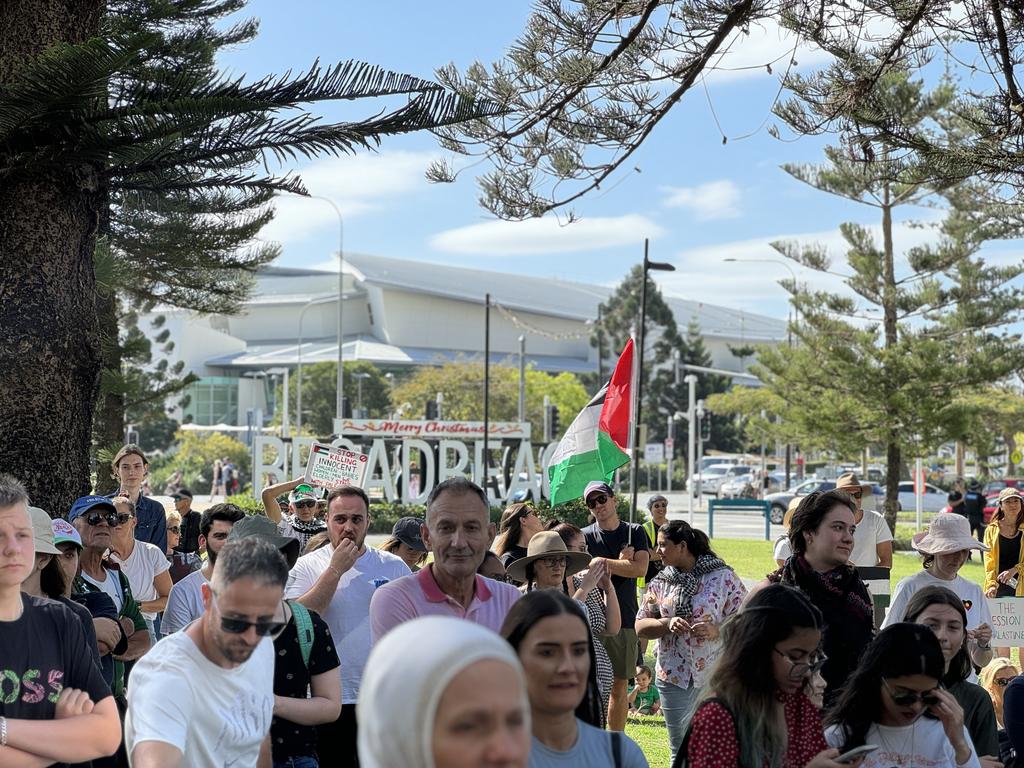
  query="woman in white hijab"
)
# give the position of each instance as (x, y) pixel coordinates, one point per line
(441, 692)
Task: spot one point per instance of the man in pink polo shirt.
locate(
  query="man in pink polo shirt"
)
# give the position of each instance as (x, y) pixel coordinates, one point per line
(458, 531)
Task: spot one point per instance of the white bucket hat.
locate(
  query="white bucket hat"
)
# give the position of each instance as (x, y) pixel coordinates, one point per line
(949, 532)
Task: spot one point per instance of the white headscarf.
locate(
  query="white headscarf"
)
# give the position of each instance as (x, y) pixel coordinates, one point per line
(406, 675)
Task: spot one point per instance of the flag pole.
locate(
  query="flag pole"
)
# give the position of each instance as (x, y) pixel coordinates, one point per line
(637, 391)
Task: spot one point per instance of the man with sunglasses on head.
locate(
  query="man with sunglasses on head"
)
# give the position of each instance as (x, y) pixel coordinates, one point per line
(209, 690)
(624, 547)
(302, 522)
(872, 541)
(185, 603)
(95, 517)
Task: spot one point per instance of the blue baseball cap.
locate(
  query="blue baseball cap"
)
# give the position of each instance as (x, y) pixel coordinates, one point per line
(85, 503)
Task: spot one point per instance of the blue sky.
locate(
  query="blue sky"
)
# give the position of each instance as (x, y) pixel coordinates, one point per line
(699, 200)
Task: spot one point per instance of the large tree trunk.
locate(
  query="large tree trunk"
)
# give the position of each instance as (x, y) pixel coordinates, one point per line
(108, 420)
(49, 353)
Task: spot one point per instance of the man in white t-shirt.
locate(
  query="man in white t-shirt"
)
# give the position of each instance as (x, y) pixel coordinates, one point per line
(337, 582)
(143, 563)
(872, 540)
(210, 689)
(185, 603)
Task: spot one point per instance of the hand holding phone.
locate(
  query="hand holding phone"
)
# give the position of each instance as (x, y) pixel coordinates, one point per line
(856, 753)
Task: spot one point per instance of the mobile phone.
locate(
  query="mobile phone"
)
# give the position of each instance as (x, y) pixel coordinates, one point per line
(856, 753)
(1012, 582)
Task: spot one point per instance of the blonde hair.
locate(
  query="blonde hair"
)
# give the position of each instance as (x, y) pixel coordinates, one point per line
(987, 676)
(173, 518)
(316, 541)
(125, 501)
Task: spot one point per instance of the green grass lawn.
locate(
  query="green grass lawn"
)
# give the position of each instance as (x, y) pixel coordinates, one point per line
(649, 732)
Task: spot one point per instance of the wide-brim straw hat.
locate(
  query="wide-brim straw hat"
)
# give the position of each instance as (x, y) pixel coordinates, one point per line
(848, 481)
(949, 532)
(546, 544)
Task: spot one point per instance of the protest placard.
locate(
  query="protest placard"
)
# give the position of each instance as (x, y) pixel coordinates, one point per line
(1007, 621)
(329, 467)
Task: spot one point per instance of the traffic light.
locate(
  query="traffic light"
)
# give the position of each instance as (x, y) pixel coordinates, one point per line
(555, 426)
(705, 428)
(432, 410)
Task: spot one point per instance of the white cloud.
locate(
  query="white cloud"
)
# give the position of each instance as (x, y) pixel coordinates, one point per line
(358, 184)
(712, 200)
(745, 54)
(546, 235)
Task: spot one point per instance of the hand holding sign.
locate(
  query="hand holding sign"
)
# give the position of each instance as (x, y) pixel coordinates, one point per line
(329, 467)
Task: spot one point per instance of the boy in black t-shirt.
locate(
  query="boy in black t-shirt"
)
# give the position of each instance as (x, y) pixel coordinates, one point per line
(47, 669)
(624, 546)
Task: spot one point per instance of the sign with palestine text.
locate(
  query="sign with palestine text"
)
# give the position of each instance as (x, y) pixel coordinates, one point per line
(1007, 621)
(329, 467)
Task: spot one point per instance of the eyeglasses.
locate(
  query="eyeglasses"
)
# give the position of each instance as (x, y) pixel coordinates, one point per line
(555, 561)
(123, 518)
(173, 529)
(305, 504)
(109, 517)
(928, 698)
(593, 501)
(240, 626)
(856, 494)
(799, 669)
(1002, 682)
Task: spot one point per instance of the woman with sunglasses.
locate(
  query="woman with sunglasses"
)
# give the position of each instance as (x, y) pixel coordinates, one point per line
(753, 711)
(182, 563)
(943, 613)
(994, 678)
(895, 701)
(519, 522)
(683, 610)
(550, 635)
(1006, 555)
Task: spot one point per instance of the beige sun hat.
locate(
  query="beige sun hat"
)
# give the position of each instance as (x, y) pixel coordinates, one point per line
(949, 532)
(546, 544)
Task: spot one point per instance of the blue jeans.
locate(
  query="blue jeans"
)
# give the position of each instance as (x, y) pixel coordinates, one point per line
(298, 762)
(676, 703)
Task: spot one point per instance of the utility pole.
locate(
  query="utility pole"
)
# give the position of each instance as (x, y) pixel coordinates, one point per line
(691, 418)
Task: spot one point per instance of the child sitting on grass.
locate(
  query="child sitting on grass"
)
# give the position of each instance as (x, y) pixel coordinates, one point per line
(643, 699)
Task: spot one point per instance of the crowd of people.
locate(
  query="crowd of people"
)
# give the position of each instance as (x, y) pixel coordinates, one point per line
(284, 639)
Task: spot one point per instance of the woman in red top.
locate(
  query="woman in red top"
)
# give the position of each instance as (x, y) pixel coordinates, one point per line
(753, 711)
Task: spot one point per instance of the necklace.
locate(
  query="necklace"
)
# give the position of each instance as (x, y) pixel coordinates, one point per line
(900, 754)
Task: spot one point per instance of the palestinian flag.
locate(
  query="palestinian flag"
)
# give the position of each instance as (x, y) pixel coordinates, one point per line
(595, 445)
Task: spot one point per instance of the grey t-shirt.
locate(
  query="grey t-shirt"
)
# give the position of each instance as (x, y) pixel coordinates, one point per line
(593, 748)
(184, 604)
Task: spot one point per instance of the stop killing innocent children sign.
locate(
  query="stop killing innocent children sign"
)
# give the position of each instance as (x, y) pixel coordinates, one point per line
(329, 467)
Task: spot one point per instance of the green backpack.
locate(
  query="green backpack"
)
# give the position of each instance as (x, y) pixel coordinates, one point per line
(304, 628)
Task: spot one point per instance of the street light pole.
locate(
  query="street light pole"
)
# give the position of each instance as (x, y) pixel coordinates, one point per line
(339, 410)
(298, 393)
(691, 417)
(638, 394)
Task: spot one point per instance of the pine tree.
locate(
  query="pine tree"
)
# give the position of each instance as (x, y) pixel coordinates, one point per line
(856, 378)
(91, 123)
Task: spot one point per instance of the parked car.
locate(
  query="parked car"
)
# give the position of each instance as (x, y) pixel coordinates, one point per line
(713, 484)
(710, 476)
(780, 501)
(732, 489)
(933, 499)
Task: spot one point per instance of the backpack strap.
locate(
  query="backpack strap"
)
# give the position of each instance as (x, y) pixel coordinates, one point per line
(617, 748)
(304, 628)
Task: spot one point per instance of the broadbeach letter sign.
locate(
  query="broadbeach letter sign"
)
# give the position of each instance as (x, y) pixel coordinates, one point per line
(397, 448)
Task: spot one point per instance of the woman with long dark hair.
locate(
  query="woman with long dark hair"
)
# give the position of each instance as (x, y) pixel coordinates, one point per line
(943, 613)
(551, 637)
(895, 701)
(684, 609)
(821, 537)
(753, 711)
(519, 522)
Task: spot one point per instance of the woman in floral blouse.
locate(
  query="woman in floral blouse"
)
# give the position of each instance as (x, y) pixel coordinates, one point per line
(683, 609)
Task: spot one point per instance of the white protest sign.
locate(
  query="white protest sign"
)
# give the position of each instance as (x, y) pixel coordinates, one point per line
(1007, 621)
(330, 467)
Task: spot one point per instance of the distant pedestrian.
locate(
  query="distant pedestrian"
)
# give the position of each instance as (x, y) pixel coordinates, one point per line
(188, 540)
(974, 508)
(217, 484)
(440, 692)
(657, 505)
(956, 497)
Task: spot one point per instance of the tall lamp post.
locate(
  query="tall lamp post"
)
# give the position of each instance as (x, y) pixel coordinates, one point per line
(338, 407)
(298, 392)
(658, 266)
(789, 338)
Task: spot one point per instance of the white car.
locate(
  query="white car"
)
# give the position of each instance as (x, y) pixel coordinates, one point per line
(711, 476)
(932, 500)
(713, 484)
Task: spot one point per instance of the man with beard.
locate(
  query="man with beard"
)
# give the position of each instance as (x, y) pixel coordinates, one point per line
(185, 604)
(210, 688)
(337, 582)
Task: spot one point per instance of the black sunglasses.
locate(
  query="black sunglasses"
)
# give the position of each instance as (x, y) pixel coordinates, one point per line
(108, 517)
(240, 626)
(123, 518)
(1002, 682)
(928, 698)
(305, 504)
(593, 501)
(173, 529)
